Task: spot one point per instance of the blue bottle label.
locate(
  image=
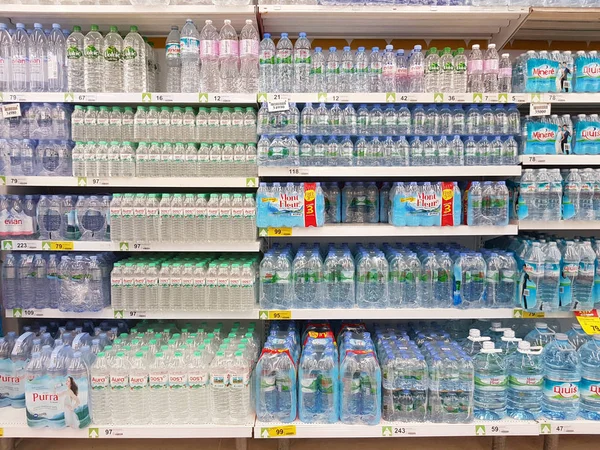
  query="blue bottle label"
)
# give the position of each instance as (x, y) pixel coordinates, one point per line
(561, 390)
(590, 389)
(542, 138)
(541, 75)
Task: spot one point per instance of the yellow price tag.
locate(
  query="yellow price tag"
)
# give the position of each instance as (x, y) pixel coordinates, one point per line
(589, 321)
(278, 232)
(275, 315)
(57, 246)
(278, 432)
(520, 314)
(1, 432)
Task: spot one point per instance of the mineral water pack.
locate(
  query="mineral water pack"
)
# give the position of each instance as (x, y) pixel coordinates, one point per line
(438, 206)
(543, 138)
(587, 137)
(302, 206)
(542, 75)
(12, 371)
(587, 73)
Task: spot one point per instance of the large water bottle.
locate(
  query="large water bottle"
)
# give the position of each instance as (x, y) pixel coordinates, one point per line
(56, 59)
(562, 376)
(491, 381)
(75, 61)
(112, 61)
(100, 387)
(38, 59)
(460, 79)
(173, 60)
(20, 59)
(577, 336)
(229, 58)
(209, 55)
(189, 56)
(505, 73)
(284, 68)
(475, 70)
(490, 69)
(92, 60)
(432, 70)
(416, 71)
(10, 283)
(589, 354)
(525, 383)
(5, 58)
(267, 64)
(527, 206)
(302, 64)
(135, 68)
(249, 49)
(446, 74)
(333, 71)
(388, 78)
(361, 71)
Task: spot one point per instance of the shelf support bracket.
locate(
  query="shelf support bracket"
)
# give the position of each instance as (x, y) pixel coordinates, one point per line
(551, 442)
(283, 444)
(241, 443)
(499, 443)
(8, 443)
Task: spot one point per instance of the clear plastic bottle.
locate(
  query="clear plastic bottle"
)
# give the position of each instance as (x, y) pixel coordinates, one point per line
(249, 49)
(432, 70)
(375, 70)
(416, 71)
(590, 378)
(75, 61)
(475, 70)
(139, 390)
(267, 64)
(209, 56)
(525, 383)
(5, 58)
(135, 68)
(92, 60)
(56, 59)
(173, 60)
(189, 44)
(505, 74)
(20, 60)
(490, 69)
(388, 80)
(447, 71)
(112, 61)
(38, 60)
(302, 64)
(284, 68)
(460, 80)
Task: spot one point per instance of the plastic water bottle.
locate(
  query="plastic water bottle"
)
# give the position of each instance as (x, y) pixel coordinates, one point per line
(460, 79)
(302, 64)
(361, 71)
(375, 70)
(5, 58)
(388, 79)
(249, 50)
(173, 60)
(447, 71)
(267, 64)
(577, 336)
(135, 69)
(112, 61)
(505, 74)
(562, 377)
(101, 391)
(416, 71)
(229, 58)
(475, 70)
(38, 58)
(75, 57)
(490, 69)
(590, 378)
(491, 381)
(20, 59)
(284, 68)
(10, 282)
(209, 56)
(525, 383)
(333, 70)
(56, 59)
(432, 70)
(119, 387)
(92, 60)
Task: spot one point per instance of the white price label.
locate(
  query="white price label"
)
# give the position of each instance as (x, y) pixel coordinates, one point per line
(278, 97)
(219, 98)
(162, 98)
(539, 109)
(16, 181)
(136, 314)
(518, 98)
(555, 98)
(408, 98)
(298, 170)
(278, 106)
(88, 98)
(457, 98)
(111, 433)
(11, 110)
(338, 98)
(534, 159)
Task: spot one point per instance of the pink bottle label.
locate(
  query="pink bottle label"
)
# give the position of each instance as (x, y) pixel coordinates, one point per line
(506, 72)
(490, 66)
(228, 47)
(249, 47)
(475, 66)
(209, 48)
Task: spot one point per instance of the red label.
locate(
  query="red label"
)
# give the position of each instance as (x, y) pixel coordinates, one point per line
(278, 350)
(465, 202)
(447, 204)
(310, 208)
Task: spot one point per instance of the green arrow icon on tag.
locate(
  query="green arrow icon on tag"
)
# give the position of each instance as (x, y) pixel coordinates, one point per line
(124, 246)
(263, 315)
(69, 97)
(81, 181)
(146, 97)
(45, 246)
(1, 96)
(262, 232)
(7, 245)
(261, 97)
(250, 182)
(93, 433)
(545, 428)
(386, 431)
(517, 313)
(480, 430)
(322, 96)
(390, 97)
(477, 97)
(535, 98)
(438, 97)
(17, 312)
(118, 313)
(203, 97)
(2, 180)
(502, 98)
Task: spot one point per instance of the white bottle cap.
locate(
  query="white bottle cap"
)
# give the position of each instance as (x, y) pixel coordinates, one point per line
(505, 55)
(496, 325)
(492, 46)
(524, 345)
(474, 332)
(488, 345)
(577, 326)
(509, 333)
(561, 337)
(541, 325)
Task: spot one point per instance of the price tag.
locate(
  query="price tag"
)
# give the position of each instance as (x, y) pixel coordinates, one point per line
(111, 433)
(518, 98)
(16, 181)
(477, 97)
(21, 245)
(118, 313)
(589, 321)
(520, 314)
(534, 159)
(555, 98)
(392, 431)
(14, 97)
(456, 98)
(406, 98)
(539, 109)
(61, 246)
(11, 110)
(556, 428)
(298, 171)
(278, 97)
(490, 98)
(275, 315)
(278, 106)
(278, 432)
(493, 430)
(279, 232)
(19, 312)
(88, 98)
(438, 97)
(83, 181)
(338, 98)
(136, 314)
(220, 98)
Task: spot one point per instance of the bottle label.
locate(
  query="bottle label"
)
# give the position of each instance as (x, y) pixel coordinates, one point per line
(267, 57)
(211, 282)
(138, 382)
(491, 382)
(72, 53)
(189, 212)
(91, 52)
(218, 381)
(199, 282)
(475, 66)
(100, 382)
(490, 66)
(164, 121)
(151, 282)
(197, 380)
(52, 68)
(187, 45)
(590, 389)
(224, 212)
(239, 381)
(177, 212)
(128, 121)
(460, 67)
(213, 212)
(119, 382)
(249, 47)
(249, 212)
(152, 121)
(177, 380)
(140, 282)
(173, 50)
(112, 54)
(175, 282)
(416, 71)
(561, 390)
(209, 48)
(505, 72)
(129, 53)
(228, 47)
(529, 382)
(158, 380)
(284, 56)
(302, 56)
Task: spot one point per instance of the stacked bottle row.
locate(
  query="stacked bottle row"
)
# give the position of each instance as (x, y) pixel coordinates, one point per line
(166, 160)
(164, 124)
(175, 283)
(557, 274)
(288, 67)
(387, 151)
(38, 121)
(212, 61)
(27, 157)
(182, 218)
(556, 71)
(55, 217)
(417, 120)
(554, 194)
(73, 282)
(446, 276)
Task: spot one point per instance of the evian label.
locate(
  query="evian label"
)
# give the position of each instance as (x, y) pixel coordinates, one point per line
(561, 390)
(544, 134)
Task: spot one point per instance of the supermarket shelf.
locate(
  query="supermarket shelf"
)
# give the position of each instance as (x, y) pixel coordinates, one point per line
(107, 246)
(394, 97)
(569, 427)
(151, 20)
(560, 160)
(395, 429)
(446, 172)
(376, 229)
(497, 24)
(123, 98)
(14, 425)
(565, 225)
(110, 313)
(389, 313)
(560, 24)
(196, 182)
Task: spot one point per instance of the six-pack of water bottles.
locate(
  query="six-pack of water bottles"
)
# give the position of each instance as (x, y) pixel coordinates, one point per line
(293, 205)
(395, 276)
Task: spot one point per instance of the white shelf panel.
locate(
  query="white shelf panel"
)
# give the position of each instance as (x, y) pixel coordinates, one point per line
(565, 225)
(560, 160)
(106, 246)
(391, 313)
(497, 24)
(121, 98)
(110, 313)
(377, 229)
(151, 20)
(14, 424)
(446, 172)
(394, 97)
(397, 429)
(581, 24)
(207, 182)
